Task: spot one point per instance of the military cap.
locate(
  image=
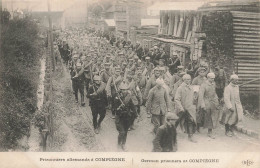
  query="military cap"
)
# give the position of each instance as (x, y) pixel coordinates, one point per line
(159, 81)
(97, 78)
(123, 86)
(147, 58)
(156, 69)
(139, 72)
(186, 76)
(131, 59)
(75, 56)
(234, 76)
(161, 68)
(136, 57)
(118, 70)
(161, 59)
(201, 69)
(171, 116)
(180, 67)
(211, 75)
(78, 64)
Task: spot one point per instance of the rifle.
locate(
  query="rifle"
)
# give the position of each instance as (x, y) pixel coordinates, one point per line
(118, 95)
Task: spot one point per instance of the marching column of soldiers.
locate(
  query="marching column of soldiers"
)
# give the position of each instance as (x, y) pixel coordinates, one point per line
(122, 77)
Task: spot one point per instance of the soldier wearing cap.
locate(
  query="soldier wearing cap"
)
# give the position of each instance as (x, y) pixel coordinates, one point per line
(208, 103)
(201, 78)
(166, 136)
(220, 80)
(176, 76)
(78, 83)
(112, 88)
(151, 82)
(106, 73)
(107, 59)
(125, 111)
(233, 110)
(56, 53)
(158, 104)
(141, 81)
(72, 64)
(97, 102)
(148, 65)
(174, 62)
(136, 95)
(185, 108)
(174, 88)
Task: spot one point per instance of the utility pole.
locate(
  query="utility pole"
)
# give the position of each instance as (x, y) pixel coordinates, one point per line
(87, 12)
(51, 35)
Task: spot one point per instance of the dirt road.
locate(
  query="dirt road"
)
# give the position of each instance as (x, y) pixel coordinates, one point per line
(74, 131)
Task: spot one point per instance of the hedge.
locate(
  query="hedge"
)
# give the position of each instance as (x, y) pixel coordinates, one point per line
(21, 51)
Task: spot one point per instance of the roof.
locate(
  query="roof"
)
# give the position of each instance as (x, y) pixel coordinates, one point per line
(110, 22)
(178, 6)
(111, 9)
(175, 41)
(150, 22)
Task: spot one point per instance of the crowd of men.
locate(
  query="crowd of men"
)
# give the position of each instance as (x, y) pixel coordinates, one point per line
(122, 77)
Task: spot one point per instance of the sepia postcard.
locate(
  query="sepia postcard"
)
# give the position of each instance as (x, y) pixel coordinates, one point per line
(130, 83)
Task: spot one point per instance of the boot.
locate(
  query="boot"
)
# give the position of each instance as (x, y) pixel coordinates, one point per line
(124, 148)
(210, 134)
(96, 131)
(198, 128)
(82, 100)
(227, 131)
(190, 137)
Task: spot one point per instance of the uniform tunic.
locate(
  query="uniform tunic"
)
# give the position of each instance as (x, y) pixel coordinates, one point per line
(208, 99)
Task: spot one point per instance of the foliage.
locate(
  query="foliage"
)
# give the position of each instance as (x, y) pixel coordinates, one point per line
(250, 102)
(18, 79)
(219, 38)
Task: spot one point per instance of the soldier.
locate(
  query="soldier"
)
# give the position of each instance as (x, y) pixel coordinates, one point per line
(106, 73)
(151, 83)
(112, 85)
(78, 83)
(201, 78)
(208, 102)
(233, 112)
(136, 95)
(185, 108)
(148, 66)
(158, 104)
(220, 80)
(56, 53)
(97, 102)
(175, 77)
(166, 136)
(125, 110)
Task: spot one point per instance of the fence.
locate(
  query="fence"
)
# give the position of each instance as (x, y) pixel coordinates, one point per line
(47, 109)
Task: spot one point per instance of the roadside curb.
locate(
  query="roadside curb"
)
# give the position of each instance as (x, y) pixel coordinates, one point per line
(243, 130)
(246, 131)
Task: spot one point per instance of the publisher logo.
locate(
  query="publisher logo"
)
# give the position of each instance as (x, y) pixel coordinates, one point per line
(247, 162)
